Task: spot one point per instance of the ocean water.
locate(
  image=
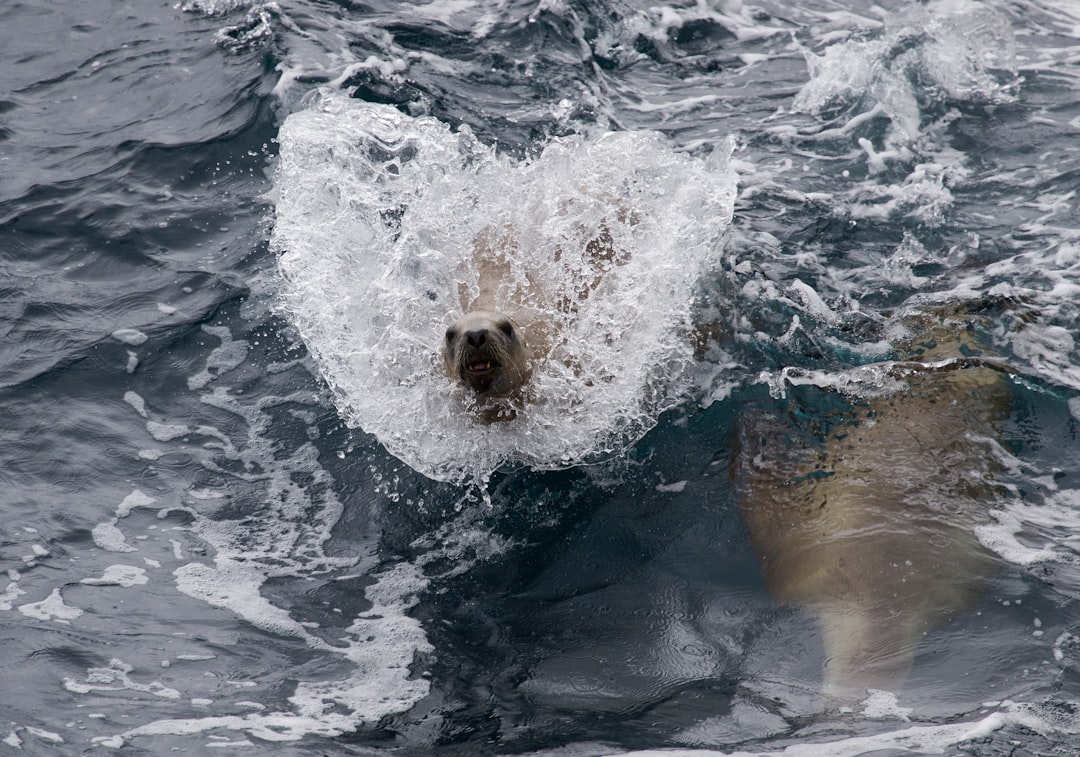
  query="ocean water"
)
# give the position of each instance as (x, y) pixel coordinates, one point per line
(244, 512)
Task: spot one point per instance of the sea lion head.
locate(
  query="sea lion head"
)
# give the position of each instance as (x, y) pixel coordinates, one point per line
(484, 351)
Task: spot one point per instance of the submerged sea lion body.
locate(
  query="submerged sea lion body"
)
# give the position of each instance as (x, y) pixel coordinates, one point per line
(872, 531)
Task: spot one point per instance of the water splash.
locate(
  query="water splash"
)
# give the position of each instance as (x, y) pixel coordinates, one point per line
(377, 217)
(955, 52)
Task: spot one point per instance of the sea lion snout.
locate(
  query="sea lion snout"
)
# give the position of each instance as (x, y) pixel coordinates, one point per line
(476, 338)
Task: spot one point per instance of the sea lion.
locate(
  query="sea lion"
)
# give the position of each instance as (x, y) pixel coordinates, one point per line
(869, 526)
(514, 315)
(486, 350)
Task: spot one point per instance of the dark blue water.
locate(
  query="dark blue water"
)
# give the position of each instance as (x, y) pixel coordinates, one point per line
(215, 542)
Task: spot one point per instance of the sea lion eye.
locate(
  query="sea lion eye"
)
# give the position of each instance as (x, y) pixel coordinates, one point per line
(506, 327)
(450, 334)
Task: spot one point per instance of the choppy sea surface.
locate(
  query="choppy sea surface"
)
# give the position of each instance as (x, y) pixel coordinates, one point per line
(244, 512)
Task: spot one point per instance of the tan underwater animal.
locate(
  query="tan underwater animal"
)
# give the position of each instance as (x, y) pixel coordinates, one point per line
(872, 531)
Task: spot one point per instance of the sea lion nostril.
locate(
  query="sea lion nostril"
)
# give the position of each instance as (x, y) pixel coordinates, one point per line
(476, 338)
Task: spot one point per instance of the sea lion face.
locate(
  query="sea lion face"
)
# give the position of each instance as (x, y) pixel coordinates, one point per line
(484, 351)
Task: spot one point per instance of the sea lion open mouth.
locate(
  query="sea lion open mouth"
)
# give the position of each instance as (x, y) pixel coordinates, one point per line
(482, 367)
(483, 376)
